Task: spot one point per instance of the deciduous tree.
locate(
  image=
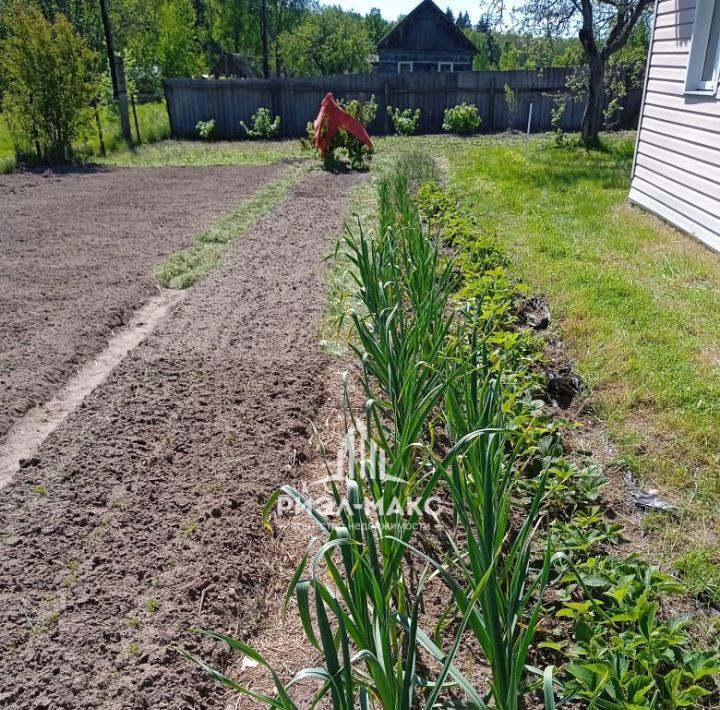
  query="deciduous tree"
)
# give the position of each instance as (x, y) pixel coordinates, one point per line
(377, 25)
(604, 28)
(49, 81)
(178, 49)
(328, 41)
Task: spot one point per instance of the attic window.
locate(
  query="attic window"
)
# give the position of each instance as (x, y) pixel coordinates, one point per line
(704, 63)
(405, 67)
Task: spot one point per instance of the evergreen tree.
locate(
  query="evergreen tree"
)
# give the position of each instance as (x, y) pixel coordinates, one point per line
(463, 21)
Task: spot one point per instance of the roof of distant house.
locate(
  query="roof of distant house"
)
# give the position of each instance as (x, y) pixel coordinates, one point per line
(393, 37)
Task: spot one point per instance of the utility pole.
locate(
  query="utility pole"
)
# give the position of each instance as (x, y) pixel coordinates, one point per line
(117, 75)
(109, 45)
(122, 99)
(264, 32)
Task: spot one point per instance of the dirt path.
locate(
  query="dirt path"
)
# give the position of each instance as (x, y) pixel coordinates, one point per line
(141, 518)
(78, 250)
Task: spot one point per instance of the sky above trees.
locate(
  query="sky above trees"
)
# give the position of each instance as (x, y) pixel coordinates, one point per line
(392, 9)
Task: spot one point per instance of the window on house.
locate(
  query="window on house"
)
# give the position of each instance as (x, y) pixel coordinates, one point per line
(704, 63)
(405, 67)
(445, 66)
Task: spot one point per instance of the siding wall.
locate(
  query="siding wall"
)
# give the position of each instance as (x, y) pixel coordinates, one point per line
(676, 174)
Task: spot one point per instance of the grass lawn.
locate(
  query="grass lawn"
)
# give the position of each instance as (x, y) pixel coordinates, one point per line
(181, 153)
(7, 152)
(637, 303)
(152, 121)
(155, 151)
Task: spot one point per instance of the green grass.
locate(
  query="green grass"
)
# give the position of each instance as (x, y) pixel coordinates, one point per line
(7, 152)
(700, 570)
(186, 267)
(156, 151)
(184, 153)
(152, 120)
(636, 301)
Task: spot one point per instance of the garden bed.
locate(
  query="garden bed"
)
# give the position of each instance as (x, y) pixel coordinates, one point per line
(79, 248)
(141, 516)
(529, 562)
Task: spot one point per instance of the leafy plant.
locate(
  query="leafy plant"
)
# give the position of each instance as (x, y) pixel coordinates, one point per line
(511, 101)
(206, 129)
(586, 532)
(624, 655)
(556, 116)
(263, 125)
(649, 666)
(404, 121)
(464, 119)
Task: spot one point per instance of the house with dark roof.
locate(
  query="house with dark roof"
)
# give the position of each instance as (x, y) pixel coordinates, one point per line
(426, 40)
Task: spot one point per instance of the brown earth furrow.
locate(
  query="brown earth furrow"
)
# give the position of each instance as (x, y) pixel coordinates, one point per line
(142, 517)
(77, 251)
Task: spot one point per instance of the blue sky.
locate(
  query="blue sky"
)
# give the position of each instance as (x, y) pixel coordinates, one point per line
(391, 9)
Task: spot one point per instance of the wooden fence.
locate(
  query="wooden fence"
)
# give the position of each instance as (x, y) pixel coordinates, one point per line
(297, 100)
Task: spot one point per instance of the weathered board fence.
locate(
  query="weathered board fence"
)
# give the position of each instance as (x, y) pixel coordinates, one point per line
(297, 100)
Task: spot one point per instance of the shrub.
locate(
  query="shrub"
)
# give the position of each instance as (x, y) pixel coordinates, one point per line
(463, 119)
(206, 129)
(404, 122)
(49, 83)
(263, 125)
(556, 115)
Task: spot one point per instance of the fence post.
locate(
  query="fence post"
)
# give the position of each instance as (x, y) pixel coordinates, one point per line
(137, 125)
(99, 126)
(122, 99)
(530, 112)
(386, 120)
(273, 97)
(167, 108)
(491, 105)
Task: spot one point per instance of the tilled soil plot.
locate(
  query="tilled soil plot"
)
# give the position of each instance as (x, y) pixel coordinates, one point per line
(142, 518)
(77, 251)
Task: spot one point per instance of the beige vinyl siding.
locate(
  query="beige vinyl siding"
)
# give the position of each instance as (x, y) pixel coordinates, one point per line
(676, 174)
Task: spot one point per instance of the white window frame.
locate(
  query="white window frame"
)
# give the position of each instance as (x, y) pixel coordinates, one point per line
(446, 64)
(698, 51)
(401, 64)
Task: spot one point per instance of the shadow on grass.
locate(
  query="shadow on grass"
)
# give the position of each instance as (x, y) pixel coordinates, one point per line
(50, 169)
(563, 168)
